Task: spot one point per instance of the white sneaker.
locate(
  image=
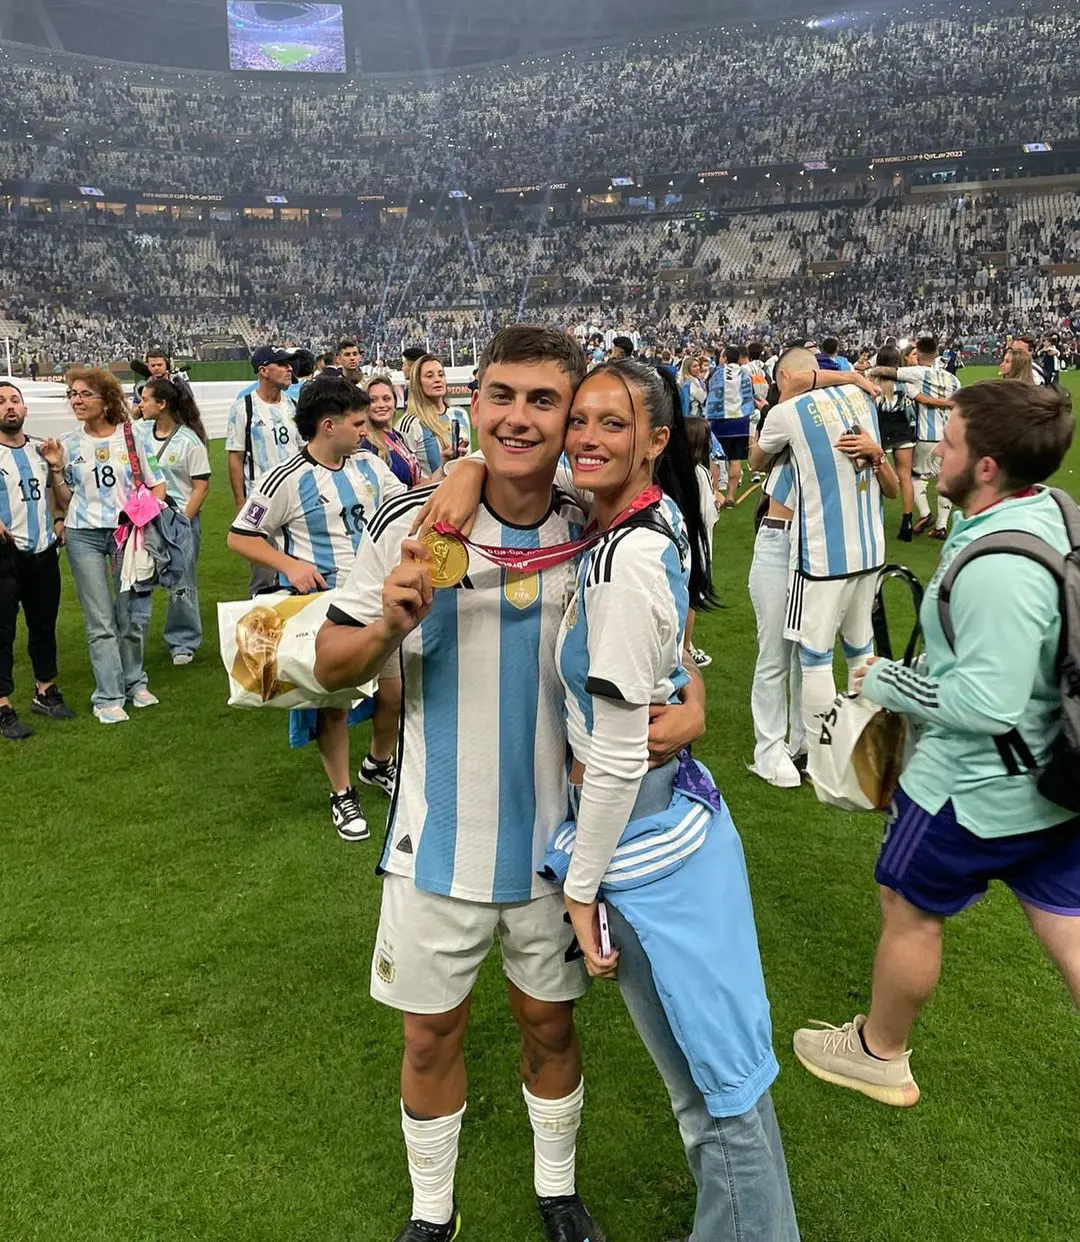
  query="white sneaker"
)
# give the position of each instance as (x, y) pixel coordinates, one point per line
(786, 775)
(182, 657)
(143, 698)
(111, 715)
(701, 659)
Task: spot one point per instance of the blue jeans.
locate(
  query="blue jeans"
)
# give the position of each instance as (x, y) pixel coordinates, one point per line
(183, 624)
(737, 1163)
(112, 628)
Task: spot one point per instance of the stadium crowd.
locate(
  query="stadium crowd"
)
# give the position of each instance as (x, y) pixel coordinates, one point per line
(976, 267)
(673, 104)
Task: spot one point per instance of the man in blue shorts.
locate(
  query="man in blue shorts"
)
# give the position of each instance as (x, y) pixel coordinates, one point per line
(966, 812)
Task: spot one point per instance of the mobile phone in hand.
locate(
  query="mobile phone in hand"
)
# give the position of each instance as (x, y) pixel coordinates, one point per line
(605, 930)
(860, 463)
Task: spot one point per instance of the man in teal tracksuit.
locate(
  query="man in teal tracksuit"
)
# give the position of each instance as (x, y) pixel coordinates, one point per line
(959, 818)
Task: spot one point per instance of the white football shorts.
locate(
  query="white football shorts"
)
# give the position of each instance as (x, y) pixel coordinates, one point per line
(429, 948)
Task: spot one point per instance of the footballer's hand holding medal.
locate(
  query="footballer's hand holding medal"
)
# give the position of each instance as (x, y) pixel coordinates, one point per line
(449, 549)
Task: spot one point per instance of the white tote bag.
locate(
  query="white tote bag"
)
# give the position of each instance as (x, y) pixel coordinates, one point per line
(856, 761)
(268, 649)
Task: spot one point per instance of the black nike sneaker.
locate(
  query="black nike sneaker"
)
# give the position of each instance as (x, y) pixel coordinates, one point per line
(12, 727)
(566, 1219)
(424, 1231)
(50, 702)
(906, 533)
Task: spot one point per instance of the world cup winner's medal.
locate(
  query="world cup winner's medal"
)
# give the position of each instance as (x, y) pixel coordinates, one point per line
(449, 561)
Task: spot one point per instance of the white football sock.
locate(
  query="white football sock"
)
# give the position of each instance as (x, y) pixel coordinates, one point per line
(432, 1148)
(555, 1125)
(944, 512)
(922, 506)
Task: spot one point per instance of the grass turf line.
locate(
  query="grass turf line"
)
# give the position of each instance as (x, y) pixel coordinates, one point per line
(190, 1051)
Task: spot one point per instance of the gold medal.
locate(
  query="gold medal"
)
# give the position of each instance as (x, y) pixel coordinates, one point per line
(449, 561)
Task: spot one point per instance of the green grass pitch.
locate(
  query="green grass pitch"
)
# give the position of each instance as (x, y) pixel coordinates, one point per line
(189, 1050)
(288, 54)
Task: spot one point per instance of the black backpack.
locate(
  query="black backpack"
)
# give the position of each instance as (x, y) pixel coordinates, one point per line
(1059, 780)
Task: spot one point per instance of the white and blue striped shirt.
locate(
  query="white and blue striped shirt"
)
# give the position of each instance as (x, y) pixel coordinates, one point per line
(24, 497)
(782, 485)
(482, 783)
(316, 514)
(425, 444)
(841, 531)
(99, 474)
(273, 434)
(731, 393)
(931, 382)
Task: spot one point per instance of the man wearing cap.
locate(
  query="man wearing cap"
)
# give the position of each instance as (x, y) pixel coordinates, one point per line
(261, 434)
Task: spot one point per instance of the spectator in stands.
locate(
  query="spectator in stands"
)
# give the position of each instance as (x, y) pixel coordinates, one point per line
(98, 481)
(621, 347)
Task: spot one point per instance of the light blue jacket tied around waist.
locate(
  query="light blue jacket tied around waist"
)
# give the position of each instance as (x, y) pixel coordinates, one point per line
(678, 877)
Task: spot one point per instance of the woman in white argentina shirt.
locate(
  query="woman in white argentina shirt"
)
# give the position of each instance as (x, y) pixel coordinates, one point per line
(620, 653)
(179, 443)
(98, 481)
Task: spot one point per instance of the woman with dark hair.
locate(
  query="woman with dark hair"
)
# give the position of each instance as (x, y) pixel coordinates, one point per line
(653, 841)
(179, 442)
(381, 438)
(96, 484)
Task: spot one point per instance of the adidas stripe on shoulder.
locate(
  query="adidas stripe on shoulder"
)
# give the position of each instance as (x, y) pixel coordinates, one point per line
(395, 509)
(270, 483)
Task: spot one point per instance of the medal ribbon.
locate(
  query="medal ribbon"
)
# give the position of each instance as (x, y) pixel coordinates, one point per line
(524, 560)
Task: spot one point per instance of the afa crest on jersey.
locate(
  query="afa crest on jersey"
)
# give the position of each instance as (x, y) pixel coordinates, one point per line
(521, 588)
(102, 453)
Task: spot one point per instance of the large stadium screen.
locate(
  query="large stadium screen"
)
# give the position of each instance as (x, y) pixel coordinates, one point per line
(273, 37)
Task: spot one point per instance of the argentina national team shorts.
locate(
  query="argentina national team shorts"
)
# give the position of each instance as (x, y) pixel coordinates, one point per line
(940, 867)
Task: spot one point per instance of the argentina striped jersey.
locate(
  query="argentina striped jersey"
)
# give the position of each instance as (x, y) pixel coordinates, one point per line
(731, 393)
(99, 474)
(24, 497)
(840, 516)
(274, 438)
(482, 760)
(425, 444)
(931, 382)
(316, 514)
